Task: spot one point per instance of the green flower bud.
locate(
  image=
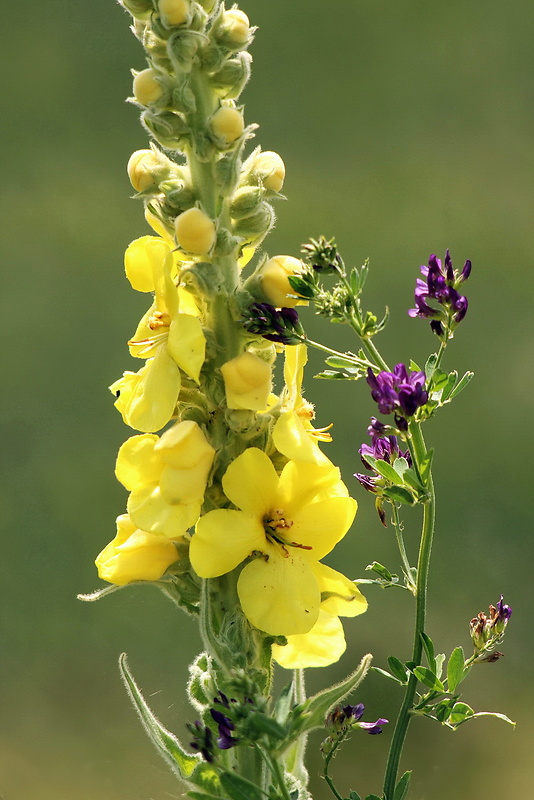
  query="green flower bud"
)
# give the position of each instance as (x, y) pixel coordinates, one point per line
(178, 196)
(170, 129)
(183, 98)
(246, 201)
(233, 76)
(182, 48)
(139, 9)
(257, 226)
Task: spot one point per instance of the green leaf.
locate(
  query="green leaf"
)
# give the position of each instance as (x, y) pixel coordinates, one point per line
(341, 362)
(428, 678)
(449, 386)
(302, 287)
(311, 714)
(401, 789)
(460, 386)
(412, 480)
(460, 713)
(455, 669)
(355, 282)
(495, 714)
(260, 723)
(354, 796)
(426, 464)
(388, 675)
(239, 788)
(442, 710)
(400, 494)
(428, 646)
(381, 570)
(398, 669)
(439, 381)
(383, 322)
(373, 797)
(283, 704)
(182, 763)
(330, 375)
(386, 470)
(430, 365)
(414, 367)
(400, 465)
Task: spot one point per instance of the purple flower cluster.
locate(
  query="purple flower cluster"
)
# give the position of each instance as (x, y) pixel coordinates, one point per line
(277, 325)
(345, 717)
(441, 283)
(399, 391)
(486, 631)
(225, 724)
(386, 449)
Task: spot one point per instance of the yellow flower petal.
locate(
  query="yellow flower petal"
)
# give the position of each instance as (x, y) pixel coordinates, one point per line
(251, 482)
(322, 525)
(186, 344)
(323, 645)
(134, 555)
(246, 255)
(143, 259)
(295, 359)
(137, 462)
(292, 438)
(187, 302)
(301, 482)
(151, 512)
(158, 226)
(184, 445)
(223, 539)
(185, 485)
(279, 596)
(247, 382)
(147, 399)
(340, 596)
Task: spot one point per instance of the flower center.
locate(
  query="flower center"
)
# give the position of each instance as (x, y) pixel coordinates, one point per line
(276, 526)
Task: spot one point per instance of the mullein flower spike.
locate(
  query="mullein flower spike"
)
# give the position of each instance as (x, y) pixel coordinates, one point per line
(441, 285)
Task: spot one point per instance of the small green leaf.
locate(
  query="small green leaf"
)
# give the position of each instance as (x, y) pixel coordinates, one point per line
(400, 465)
(428, 646)
(428, 678)
(430, 365)
(460, 713)
(239, 788)
(496, 715)
(354, 796)
(381, 570)
(283, 704)
(387, 471)
(426, 464)
(373, 797)
(355, 282)
(400, 494)
(341, 362)
(302, 287)
(414, 367)
(388, 675)
(442, 710)
(440, 660)
(449, 386)
(401, 789)
(455, 669)
(330, 375)
(412, 480)
(460, 386)
(398, 669)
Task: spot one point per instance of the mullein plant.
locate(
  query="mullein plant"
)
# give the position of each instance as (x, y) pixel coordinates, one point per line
(232, 503)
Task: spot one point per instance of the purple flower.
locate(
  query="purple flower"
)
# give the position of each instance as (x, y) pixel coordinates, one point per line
(400, 391)
(277, 325)
(384, 448)
(343, 718)
(203, 740)
(225, 724)
(441, 283)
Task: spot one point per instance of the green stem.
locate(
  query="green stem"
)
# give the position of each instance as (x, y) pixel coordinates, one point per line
(326, 776)
(402, 549)
(418, 450)
(276, 772)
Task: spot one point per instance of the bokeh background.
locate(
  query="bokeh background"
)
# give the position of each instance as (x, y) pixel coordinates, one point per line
(406, 127)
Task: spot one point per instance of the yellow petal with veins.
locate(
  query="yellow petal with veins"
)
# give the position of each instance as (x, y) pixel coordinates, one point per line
(143, 259)
(251, 482)
(323, 645)
(223, 539)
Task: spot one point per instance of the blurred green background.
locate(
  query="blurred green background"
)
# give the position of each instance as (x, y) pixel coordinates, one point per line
(406, 127)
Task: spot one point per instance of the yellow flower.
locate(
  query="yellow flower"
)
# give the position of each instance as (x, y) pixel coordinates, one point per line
(135, 555)
(286, 523)
(247, 381)
(271, 169)
(227, 125)
(274, 278)
(293, 433)
(325, 642)
(174, 12)
(167, 478)
(195, 231)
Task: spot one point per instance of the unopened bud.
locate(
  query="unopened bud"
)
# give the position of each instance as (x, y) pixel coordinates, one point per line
(257, 225)
(270, 169)
(274, 280)
(247, 381)
(227, 125)
(207, 5)
(167, 127)
(195, 231)
(235, 27)
(147, 169)
(139, 9)
(178, 196)
(174, 12)
(232, 77)
(147, 89)
(245, 201)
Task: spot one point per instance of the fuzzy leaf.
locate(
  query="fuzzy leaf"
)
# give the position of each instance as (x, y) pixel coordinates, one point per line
(428, 678)
(168, 746)
(455, 669)
(401, 789)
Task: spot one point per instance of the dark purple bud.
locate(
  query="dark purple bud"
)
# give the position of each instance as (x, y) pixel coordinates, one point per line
(366, 481)
(441, 285)
(466, 271)
(377, 428)
(203, 740)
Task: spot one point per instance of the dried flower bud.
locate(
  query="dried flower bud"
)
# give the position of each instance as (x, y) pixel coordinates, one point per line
(247, 381)
(195, 231)
(147, 89)
(227, 125)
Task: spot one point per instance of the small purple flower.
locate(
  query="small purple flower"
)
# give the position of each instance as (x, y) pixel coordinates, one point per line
(441, 283)
(225, 724)
(346, 717)
(203, 740)
(384, 448)
(277, 325)
(399, 391)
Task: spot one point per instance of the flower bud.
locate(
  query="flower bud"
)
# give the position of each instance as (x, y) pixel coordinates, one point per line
(230, 80)
(135, 555)
(173, 12)
(146, 169)
(256, 226)
(178, 196)
(235, 28)
(195, 231)
(207, 5)
(147, 89)
(139, 9)
(274, 280)
(227, 125)
(271, 170)
(245, 202)
(168, 128)
(247, 381)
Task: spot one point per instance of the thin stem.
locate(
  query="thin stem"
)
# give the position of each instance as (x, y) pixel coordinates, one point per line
(418, 450)
(402, 550)
(326, 776)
